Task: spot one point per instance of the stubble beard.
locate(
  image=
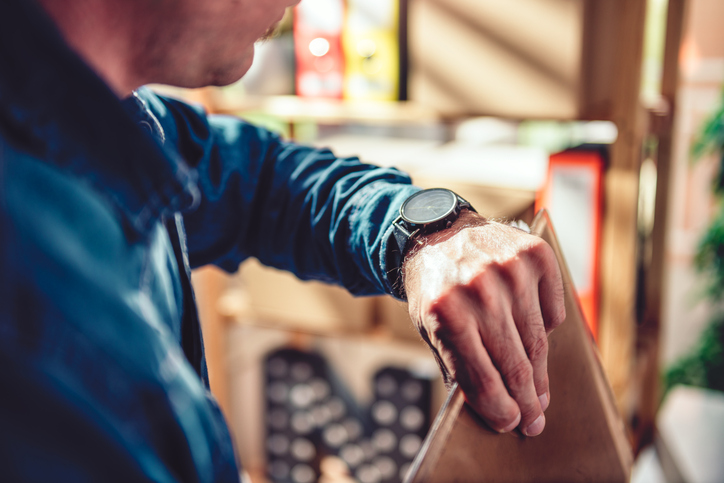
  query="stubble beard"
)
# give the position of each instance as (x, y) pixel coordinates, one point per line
(270, 33)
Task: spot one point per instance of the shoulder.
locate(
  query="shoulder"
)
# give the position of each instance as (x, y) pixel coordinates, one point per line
(57, 215)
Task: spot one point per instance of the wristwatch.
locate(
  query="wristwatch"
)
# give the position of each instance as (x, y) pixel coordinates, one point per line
(425, 212)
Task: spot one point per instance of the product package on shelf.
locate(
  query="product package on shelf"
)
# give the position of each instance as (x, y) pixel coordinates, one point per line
(318, 28)
(372, 50)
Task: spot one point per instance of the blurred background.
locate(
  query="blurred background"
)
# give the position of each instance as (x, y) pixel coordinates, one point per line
(607, 113)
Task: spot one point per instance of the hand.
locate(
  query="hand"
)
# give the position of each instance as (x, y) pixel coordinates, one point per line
(484, 296)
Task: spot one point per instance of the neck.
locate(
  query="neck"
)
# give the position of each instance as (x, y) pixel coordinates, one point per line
(104, 33)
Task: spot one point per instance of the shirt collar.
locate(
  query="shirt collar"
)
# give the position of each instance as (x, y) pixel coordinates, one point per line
(54, 106)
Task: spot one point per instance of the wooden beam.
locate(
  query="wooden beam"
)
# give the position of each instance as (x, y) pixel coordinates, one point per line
(619, 243)
(648, 338)
(616, 334)
(662, 127)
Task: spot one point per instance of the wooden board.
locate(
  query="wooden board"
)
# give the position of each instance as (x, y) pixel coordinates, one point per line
(584, 438)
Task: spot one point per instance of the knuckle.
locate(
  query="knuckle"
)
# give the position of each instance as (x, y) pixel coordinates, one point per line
(540, 249)
(446, 330)
(485, 276)
(485, 288)
(444, 307)
(537, 346)
(519, 374)
(514, 272)
(485, 385)
(489, 384)
(428, 327)
(444, 302)
(540, 254)
(509, 264)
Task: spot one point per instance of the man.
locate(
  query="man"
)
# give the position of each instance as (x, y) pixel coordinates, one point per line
(106, 204)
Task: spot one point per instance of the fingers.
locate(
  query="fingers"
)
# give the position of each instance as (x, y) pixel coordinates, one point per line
(550, 289)
(504, 342)
(457, 338)
(529, 322)
(481, 346)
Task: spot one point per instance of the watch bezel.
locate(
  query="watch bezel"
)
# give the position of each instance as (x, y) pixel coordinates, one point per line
(405, 230)
(452, 210)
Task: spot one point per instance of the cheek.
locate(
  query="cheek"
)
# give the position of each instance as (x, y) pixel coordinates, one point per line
(241, 32)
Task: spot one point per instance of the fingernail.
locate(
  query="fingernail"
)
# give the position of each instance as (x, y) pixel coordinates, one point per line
(537, 427)
(512, 425)
(543, 399)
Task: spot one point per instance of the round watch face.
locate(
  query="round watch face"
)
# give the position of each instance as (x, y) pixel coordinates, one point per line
(428, 206)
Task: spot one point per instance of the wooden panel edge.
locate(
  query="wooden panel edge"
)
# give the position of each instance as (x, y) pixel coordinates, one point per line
(436, 438)
(541, 227)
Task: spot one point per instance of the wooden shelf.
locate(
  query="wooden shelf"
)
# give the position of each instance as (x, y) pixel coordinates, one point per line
(326, 111)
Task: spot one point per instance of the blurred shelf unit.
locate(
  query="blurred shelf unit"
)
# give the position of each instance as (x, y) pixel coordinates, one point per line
(343, 411)
(313, 419)
(557, 60)
(521, 59)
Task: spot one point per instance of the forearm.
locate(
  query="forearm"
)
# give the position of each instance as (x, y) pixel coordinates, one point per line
(293, 207)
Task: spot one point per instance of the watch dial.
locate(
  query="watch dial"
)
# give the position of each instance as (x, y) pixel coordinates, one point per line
(428, 206)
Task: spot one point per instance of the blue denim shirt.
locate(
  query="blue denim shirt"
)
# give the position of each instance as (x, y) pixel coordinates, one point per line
(101, 359)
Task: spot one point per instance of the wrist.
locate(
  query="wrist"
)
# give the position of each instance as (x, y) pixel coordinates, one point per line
(466, 219)
(432, 211)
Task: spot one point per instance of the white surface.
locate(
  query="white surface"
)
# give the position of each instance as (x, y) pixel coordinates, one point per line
(691, 425)
(487, 130)
(647, 468)
(271, 72)
(687, 314)
(572, 208)
(518, 167)
(382, 151)
(504, 166)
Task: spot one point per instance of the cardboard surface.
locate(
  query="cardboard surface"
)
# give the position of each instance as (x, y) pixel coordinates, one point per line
(584, 438)
(279, 299)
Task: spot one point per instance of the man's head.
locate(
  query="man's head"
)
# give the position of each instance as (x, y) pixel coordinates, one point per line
(188, 43)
